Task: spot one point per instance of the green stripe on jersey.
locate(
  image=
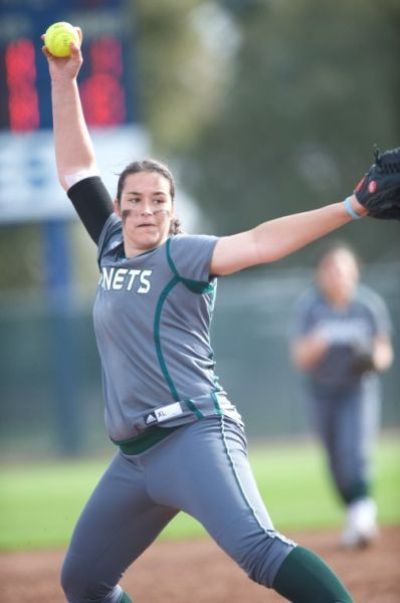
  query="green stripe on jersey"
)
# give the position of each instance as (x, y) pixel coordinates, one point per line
(157, 320)
(217, 405)
(193, 407)
(192, 285)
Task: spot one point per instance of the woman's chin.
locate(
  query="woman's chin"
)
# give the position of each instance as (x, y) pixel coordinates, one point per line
(149, 240)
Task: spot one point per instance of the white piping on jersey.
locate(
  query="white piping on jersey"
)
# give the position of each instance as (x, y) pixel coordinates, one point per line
(271, 532)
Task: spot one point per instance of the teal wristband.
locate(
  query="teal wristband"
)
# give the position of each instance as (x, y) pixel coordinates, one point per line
(348, 207)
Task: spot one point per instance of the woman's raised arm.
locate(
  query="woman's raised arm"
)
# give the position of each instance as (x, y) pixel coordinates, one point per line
(74, 152)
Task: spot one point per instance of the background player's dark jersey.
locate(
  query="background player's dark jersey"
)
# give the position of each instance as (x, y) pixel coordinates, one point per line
(347, 330)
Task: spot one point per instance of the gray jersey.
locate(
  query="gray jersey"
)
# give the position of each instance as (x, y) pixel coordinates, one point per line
(347, 330)
(152, 316)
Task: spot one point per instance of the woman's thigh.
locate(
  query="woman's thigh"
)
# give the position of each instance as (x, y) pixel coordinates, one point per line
(117, 524)
(203, 470)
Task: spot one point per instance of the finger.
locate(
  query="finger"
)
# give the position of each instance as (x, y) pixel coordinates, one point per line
(80, 34)
(46, 53)
(76, 46)
(75, 49)
(44, 48)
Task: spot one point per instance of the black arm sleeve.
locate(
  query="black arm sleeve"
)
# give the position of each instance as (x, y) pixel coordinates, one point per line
(92, 203)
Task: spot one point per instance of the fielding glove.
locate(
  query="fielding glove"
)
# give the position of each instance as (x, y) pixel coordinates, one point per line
(379, 190)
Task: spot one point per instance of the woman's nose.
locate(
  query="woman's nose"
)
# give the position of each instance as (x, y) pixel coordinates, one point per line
(146, 209)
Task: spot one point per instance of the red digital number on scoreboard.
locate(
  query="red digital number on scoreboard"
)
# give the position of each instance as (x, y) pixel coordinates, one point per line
(102, 88)
(23, 106)
(102, 93)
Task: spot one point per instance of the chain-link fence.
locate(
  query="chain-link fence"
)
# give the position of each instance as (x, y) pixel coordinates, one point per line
(51, 400)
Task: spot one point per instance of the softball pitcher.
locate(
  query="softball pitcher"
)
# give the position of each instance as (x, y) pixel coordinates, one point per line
(180, 441)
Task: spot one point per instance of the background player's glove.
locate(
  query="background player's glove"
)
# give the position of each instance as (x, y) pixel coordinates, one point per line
(379, 190)
(363, 360)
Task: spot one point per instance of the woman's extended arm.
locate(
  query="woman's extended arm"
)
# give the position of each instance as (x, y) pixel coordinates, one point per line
(275, 239)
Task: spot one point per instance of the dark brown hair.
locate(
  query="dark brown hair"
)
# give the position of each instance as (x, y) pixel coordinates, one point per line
(150, 165)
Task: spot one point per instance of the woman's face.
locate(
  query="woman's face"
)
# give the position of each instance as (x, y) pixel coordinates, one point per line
(146, 210)
(337, 276)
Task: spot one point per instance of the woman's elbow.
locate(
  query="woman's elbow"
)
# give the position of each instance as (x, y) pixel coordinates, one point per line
(63, 182)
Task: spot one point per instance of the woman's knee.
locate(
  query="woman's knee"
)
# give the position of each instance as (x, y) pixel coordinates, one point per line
(74, 581)
(82, 585)
(262, 557)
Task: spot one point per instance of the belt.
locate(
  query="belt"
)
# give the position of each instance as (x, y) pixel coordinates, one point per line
(145, 440)
(151, 432)
(164, 413)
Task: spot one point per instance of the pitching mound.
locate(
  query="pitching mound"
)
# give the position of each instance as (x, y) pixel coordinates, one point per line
(197, 571)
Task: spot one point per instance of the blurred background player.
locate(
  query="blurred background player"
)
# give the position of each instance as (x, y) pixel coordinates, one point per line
(342, 343)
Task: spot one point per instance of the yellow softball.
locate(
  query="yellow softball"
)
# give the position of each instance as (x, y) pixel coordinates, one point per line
(58, 38)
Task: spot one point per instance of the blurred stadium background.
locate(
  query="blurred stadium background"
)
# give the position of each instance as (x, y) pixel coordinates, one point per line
(261, 107)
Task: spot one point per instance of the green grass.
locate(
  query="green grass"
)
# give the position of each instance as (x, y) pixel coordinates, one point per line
(40, 502)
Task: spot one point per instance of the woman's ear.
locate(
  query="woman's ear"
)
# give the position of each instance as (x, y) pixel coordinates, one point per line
(117, 208)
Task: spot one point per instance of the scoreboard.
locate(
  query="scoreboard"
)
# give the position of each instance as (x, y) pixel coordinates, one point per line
(28, 184)
(107, 75)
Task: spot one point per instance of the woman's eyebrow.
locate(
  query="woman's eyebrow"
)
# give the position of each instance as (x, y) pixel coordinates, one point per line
(139, 193)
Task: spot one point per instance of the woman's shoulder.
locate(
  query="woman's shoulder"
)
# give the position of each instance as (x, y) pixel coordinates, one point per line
(188, 244)
(111, 235)
(190, 255)
(188, 239)
(369, 298)
(309, 298)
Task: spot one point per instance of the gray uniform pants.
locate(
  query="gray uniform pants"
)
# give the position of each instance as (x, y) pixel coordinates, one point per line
(348, 425)
(202, 469)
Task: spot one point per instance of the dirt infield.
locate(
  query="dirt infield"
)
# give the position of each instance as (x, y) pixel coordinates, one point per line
(197, 571)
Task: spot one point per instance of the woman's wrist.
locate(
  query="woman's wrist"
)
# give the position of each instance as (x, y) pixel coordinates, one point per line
(353, 208)
(63, 80)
